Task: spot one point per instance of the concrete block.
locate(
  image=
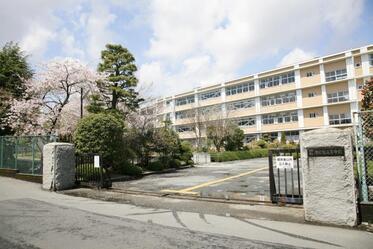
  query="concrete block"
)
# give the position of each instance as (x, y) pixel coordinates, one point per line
(328, 182)
(201, 158)
(58, 166)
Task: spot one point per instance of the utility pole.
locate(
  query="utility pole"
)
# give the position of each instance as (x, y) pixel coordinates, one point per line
(81, 102)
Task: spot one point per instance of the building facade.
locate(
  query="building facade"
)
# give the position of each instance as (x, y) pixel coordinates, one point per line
(321, 92)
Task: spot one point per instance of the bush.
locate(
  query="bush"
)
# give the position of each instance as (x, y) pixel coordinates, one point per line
(238, 155)
(131, 170)
(261, 143)
(103, 134)
(155, 166)
(186, 153)
(174, 163)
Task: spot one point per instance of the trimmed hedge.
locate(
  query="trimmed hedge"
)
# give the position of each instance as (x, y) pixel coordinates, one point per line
(238, 155)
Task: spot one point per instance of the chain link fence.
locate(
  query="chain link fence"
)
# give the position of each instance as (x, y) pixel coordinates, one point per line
(364, 153)
(23, 153)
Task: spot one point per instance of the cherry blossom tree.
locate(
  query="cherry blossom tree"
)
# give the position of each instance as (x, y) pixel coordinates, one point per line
(46, 108)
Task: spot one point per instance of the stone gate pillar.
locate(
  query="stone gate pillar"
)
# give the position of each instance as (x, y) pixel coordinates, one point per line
(328, 177)
(58, 166)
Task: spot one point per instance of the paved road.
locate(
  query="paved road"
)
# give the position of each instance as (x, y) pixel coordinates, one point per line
(32, 218)
(252, 181)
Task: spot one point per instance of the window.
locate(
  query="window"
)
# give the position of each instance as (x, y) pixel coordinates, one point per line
(243, 104)
(336, 119)
(248, 121)
(360, 86)
(279, 118)
(268, 119)
(277, 80)
(311, 94)
(310, 74)
(312, 115)
(292, 135)
(357, 64)
(209, 95)
(168, 102)
(371, 59)
(184, 128)
(337, 97)
(182, 115)
(185, 100)
(336, 75)
(246, 87)
(278, 99)
(168, 116)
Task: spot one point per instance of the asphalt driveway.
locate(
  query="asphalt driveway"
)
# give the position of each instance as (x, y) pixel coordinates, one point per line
(244, 179)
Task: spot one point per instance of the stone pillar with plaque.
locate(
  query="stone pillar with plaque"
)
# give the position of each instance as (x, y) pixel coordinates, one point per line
(328, 178)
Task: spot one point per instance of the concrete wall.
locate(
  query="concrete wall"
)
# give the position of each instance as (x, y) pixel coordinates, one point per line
(328, 182)
(58, 166)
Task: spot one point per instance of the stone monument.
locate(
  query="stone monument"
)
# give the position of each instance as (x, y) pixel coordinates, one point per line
(328, 177)
(58, 166)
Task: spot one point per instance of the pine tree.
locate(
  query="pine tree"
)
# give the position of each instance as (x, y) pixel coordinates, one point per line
(119, 65)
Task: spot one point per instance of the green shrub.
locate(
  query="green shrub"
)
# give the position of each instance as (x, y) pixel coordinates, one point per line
(174, 163)
(238, 155)
(131, 170)
(155, 166)
(103, 134)
(186, 153)
(261, 143)
(189, 162)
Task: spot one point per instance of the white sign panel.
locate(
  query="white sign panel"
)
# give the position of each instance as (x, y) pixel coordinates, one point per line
(97, 161)
(284, 162)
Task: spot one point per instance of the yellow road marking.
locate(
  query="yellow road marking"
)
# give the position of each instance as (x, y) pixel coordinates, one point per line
(189, 190)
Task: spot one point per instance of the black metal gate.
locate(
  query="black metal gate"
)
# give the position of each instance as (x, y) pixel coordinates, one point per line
(87, 174)
(285, 181)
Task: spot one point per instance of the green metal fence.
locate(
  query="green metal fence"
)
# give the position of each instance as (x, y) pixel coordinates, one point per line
(23, 153)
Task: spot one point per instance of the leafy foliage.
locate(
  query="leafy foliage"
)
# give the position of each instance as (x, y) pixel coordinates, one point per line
(101, 133)
(118, 64)
(367, 92)
(234, 141)
(14, 70)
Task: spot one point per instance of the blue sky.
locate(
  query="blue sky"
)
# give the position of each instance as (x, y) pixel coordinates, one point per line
(180, 44)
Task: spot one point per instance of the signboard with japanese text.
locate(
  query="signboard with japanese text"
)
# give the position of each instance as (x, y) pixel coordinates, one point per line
(284, 162)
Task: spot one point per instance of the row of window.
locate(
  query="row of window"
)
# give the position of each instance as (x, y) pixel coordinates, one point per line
(278, 99)
(337, 96)
(336, 119)
(247, 121)
(277, 80)
(209, 95)
(339, 74)
(241, 88)
(184, 128)
(243, 104)
(284, 117)
(185, 100)
(371, 59)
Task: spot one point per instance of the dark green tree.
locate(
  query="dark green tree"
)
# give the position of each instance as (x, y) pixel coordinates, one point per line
(234, 141)
(96, 105)
(14, 70)
(119, 65)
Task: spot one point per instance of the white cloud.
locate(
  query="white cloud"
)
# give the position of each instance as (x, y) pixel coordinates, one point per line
(207, 41)
(98, 30)
(295, 56)
(36, 40)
